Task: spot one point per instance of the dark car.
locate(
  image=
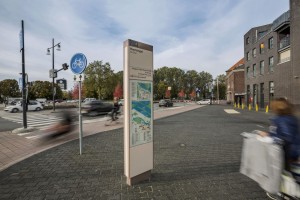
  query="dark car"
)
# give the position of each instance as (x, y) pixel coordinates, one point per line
(165, 103)
(94, 108)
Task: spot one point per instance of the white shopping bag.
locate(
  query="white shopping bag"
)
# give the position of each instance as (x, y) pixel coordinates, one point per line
(263, 162)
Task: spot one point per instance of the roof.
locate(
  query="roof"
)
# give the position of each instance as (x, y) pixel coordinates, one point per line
(239, 63)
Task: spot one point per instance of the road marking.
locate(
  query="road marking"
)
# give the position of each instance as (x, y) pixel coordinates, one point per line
(231, 111)
(260, 126)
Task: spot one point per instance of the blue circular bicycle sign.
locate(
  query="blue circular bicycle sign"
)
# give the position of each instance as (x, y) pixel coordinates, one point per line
(78, 63)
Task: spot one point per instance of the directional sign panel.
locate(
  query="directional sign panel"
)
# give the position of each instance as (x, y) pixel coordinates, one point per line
(78, 63)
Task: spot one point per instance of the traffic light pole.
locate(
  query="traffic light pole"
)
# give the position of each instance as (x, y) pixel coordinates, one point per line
(23, 79)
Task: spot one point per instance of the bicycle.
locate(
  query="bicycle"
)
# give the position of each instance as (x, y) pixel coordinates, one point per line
(112, 117)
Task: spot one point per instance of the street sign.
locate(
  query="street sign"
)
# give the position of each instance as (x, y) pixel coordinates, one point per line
(62, 83)
(78, 63)
(52, 73)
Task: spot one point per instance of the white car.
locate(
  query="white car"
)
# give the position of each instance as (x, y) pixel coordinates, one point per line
(32, 105)
(204, 102)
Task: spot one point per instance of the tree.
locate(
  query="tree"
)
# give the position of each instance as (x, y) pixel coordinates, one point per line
(221, 86)
(99, 80)
(118, 91)
(43, 89)
(75, 91)
(171, 77)
(192, 81)
(9, 88)
(205, 79)
(160, 91)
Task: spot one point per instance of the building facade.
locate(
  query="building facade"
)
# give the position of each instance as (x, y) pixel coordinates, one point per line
(272, 66)
(235, 82)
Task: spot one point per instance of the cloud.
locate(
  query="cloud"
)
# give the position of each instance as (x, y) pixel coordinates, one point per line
(201, 35)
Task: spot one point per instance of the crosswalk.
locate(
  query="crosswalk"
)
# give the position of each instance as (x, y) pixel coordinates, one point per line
(33, 119)
(42, 122)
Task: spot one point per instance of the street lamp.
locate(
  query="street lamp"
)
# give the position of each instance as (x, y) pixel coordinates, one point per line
(53, 72)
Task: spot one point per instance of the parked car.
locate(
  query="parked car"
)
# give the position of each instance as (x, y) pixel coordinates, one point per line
(58, 100)
(32, 105)
(89, 99)
(165, 103)
(93, 108)
(204, 102)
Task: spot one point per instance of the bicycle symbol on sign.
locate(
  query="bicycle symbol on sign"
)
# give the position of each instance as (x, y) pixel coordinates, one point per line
(78, 63)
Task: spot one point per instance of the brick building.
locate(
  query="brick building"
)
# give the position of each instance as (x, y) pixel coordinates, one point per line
(235, 82)
(272, 66)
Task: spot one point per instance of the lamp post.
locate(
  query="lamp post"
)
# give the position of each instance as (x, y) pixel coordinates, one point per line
(54, 74)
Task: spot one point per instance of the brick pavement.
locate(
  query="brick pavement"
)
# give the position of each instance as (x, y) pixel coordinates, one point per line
(14, 148)
(196, 156)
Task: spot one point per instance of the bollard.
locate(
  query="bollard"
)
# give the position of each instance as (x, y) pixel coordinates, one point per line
(234, 105)
(249, 106)
(256, 107)
(267, 109)
(238, 105)
(243, 106)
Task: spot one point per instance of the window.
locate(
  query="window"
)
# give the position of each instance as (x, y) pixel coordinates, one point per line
(254, 52)
(285, 56)
(262, 67)
(271, 63)
(248, 56)
(254, 69)
(248, 72)
(271, 43)
(247, 40)
(271, 86)
(261, 48)
(262, 88)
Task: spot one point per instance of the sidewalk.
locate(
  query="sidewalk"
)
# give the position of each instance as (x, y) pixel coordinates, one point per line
(196, 156)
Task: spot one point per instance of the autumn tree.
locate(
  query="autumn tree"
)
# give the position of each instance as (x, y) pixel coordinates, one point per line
(181, 94)
(168, 94)
(193, 95)
(118, 91)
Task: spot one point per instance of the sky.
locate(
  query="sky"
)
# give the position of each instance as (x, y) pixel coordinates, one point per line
(196, 35)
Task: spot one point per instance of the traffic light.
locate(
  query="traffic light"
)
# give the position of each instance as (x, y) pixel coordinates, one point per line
(65, 66)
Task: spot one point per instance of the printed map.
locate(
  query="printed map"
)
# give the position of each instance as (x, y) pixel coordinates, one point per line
(141, 111)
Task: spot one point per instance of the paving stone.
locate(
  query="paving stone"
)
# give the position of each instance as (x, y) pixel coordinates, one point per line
(196, 156)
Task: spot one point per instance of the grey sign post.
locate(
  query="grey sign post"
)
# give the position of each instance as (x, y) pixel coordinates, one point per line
(78, 64)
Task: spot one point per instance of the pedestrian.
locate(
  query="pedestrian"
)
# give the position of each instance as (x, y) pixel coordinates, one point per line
(284, 127)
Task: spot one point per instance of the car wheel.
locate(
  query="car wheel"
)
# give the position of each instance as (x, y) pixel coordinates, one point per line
(93, 113)
(38, 109)
(15, 110)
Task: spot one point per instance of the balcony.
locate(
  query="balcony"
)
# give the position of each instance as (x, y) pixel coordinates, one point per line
(284, 42)
(281, 21)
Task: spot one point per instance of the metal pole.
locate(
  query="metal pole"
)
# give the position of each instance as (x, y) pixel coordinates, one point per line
(218, 90)
(53, 94)
(80, 118)
(23, 80)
